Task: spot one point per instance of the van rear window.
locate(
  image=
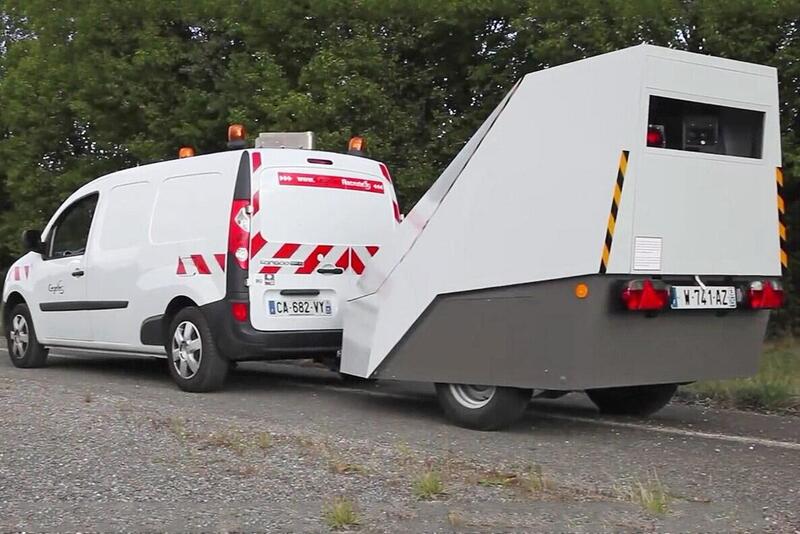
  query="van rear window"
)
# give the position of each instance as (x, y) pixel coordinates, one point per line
(698, 127)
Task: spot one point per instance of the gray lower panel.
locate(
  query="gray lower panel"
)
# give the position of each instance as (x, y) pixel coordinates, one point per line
(541, 336)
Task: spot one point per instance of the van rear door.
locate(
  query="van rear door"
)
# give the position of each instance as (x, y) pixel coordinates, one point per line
(314, 229)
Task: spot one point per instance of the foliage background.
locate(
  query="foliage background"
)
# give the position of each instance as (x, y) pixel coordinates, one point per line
(90, 87)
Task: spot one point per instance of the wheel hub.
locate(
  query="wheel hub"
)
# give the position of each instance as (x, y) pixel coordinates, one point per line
(19, 336)
(472, 396)
(187, 350)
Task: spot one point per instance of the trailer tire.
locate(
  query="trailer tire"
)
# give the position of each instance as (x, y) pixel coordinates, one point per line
(632, 400)
(195, 363)
(482, 407)
(22, 344)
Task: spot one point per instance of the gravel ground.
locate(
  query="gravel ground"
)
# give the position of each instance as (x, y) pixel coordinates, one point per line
(111, 445)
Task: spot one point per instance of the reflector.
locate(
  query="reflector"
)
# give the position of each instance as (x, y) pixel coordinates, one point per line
(239, 311)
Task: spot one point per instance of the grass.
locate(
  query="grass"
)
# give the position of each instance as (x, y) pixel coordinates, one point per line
(534, 480)
(776, 386)
(428, 485)
(263, 440)
(650, 494)
(340, 514)
(498, 480)
(343, 467)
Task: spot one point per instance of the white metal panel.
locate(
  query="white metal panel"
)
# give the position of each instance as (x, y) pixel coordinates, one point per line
(528, 199)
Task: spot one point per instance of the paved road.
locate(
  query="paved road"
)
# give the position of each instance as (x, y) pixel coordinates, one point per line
(108, 443)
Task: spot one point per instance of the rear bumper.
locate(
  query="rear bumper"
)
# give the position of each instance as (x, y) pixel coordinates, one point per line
(239, 341)
(540, 335)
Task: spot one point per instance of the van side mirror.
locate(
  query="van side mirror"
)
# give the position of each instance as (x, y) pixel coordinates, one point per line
(32, 241)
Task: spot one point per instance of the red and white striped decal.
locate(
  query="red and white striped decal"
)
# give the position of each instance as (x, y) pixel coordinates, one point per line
(196, 264)
(395, 204)
(297, 258)
(19, 273)
(330, 182)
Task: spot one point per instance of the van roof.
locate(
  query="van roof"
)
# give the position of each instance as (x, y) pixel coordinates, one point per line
(224, 160)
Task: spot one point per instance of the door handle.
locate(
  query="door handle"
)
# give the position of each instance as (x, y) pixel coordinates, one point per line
(330, 270)
(77, 273)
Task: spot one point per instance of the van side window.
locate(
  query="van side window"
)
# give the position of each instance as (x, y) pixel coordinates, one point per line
(71, 230)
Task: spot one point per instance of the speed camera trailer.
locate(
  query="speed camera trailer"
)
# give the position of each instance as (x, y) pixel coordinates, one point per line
(614, 226)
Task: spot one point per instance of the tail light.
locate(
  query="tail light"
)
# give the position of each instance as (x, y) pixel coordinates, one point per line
(239, 233)
(765, 295)
(645, 294)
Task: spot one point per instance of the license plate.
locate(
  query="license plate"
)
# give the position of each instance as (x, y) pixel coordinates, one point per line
(299, 307)
(703, 298)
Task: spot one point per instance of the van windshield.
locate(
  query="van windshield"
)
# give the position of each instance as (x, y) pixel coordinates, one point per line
(335, 207)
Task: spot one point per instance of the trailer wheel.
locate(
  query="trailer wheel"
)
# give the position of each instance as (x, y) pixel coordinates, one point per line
(632, 400)
(195, 363)
(23, 346)
(482, 407)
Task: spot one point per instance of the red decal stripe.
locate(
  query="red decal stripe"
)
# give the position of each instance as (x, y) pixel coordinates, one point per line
(287, 250)
(16, 273)
(200, 264)
(330, 182)
(256, 202)
(181, 267)
(256, 160)
(372, 250)
(220, 260)
(312, 260)
(396, 208)
(385, 172)
(270, 269)
(344, 260)
(355, 261)
(257, 244)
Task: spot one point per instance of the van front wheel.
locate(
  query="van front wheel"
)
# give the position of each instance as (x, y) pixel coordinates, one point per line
(21, 342)
(632, 400)
(482, 407)
(194, 360)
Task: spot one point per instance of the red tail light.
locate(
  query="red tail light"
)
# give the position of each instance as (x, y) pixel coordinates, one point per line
(239, 311)
(645, 295)
(765, 295)
(239, 233)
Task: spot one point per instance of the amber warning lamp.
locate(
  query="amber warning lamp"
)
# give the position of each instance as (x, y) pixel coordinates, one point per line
(185, 152)
(357, 146)
(236, 136)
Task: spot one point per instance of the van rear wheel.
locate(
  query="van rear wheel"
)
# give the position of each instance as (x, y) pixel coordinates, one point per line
(22, 344)
(195, 363)
(632, 400)
(482, 407)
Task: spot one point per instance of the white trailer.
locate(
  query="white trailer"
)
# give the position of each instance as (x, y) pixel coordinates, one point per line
(614, 226)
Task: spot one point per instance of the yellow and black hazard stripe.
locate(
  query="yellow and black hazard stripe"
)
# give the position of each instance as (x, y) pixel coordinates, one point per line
(782, 220)
(612, 216)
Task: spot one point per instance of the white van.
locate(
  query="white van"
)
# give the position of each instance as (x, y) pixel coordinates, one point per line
(241, 255)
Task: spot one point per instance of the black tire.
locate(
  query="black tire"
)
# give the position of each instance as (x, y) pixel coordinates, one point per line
(499, 407)
(23, 346)
(632, 400)
(192, 369)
